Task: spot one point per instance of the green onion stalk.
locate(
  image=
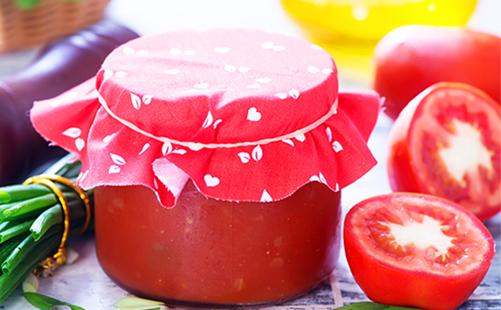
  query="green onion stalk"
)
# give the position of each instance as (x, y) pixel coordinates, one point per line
(31, 224)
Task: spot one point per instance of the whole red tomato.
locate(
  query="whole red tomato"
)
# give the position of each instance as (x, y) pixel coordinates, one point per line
(411, 58)
(447, 142)
(416, 250)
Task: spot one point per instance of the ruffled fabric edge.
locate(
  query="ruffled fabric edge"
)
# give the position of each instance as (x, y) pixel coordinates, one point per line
(334, 153)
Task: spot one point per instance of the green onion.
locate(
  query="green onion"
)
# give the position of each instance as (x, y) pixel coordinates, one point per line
(54, 216)
(22, 250)
(31, 226)
(21, 192)
(32, 206)
(15, 231)
(7, 248)
(10, 281)
(6, 225)
(47, 303)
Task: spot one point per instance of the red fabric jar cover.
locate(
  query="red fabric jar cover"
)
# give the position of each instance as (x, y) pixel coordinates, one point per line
(247, 115)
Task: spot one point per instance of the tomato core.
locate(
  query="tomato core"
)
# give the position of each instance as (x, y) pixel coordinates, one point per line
(417, 238)
(215, 252)
(456, 147)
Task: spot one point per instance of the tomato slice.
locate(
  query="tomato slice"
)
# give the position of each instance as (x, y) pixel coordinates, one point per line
(416, 250)
(447, 142)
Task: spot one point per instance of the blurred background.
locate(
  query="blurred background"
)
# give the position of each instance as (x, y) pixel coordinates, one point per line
(348, 29)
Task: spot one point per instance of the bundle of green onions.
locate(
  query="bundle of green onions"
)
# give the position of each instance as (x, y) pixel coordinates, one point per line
(31, 224)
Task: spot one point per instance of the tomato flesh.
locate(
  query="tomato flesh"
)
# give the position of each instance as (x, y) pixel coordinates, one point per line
(447, 143)
(416, 250)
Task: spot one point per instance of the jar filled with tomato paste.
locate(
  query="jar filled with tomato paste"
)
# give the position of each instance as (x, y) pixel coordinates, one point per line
(217, 158)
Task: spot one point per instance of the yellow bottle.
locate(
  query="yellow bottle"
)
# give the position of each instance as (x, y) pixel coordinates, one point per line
(349, 29)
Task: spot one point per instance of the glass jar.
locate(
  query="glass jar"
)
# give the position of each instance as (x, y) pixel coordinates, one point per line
(178, 127)
(206, 251)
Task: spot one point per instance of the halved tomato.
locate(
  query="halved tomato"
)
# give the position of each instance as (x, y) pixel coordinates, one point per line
(447, 142)
(416, 250)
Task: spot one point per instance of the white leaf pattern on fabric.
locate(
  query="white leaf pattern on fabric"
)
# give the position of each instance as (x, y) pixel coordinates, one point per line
(314, 178)
(327, 71)
(281, 96)
(263, 80)
(114, 169)
(244, 157)
(230, 68)
(294, 93)
(136, 101)
(265, 197)
(300, 137)
(278, 48)
(201, 85)
(315, 47)
(288, 141)
(328, 132)
(318, 178)
(322, 178)
(146, 146)
(121, 74)
(253, 115)
(82, 175)
(313, 69)
(208, 120)
(270, 45)
(79, 144)
(128, 50)
(267, 44)
(222, 49)
(175, 51)
(179, 151)
(243, 69)
(72, 132)
(107, 139)
(172, 71)
(217, 122)
(117, 159)
(166, 148)
(147, 99)
(143, 53)
(211, 181)
(257, 153)
(253, 86)
(337, 146)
